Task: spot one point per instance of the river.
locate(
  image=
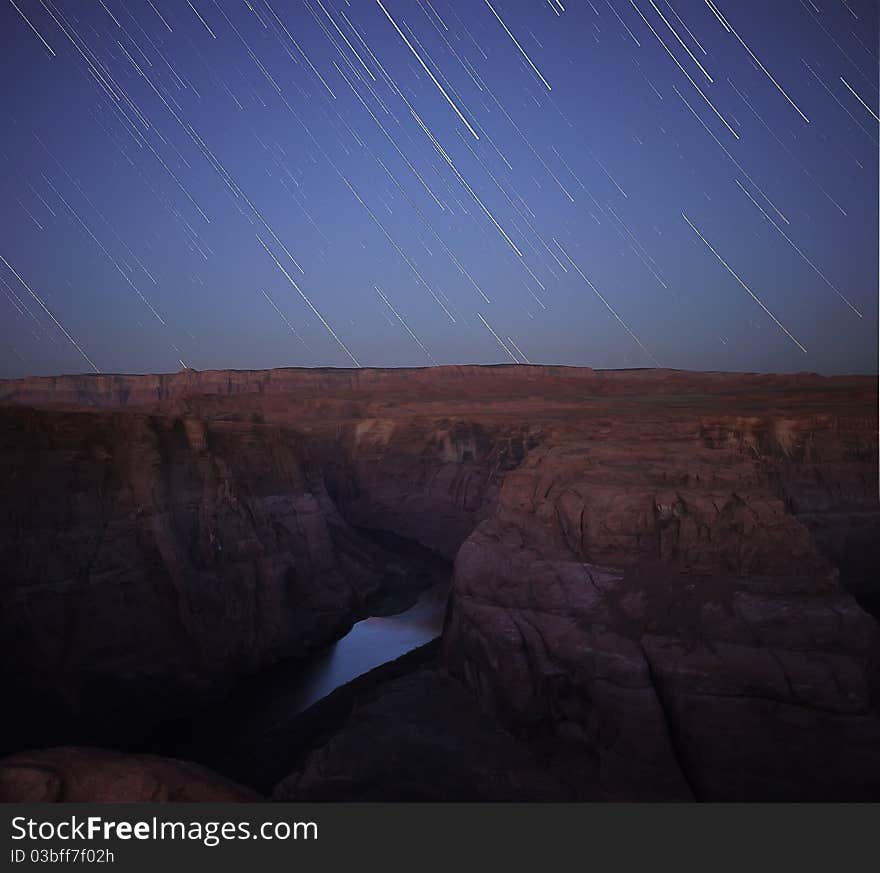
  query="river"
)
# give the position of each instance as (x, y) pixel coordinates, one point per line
(370, 643)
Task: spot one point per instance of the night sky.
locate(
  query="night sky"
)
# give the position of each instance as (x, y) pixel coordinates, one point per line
(615, 183)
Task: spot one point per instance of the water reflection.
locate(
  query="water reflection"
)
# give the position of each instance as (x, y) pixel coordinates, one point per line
(369, 644)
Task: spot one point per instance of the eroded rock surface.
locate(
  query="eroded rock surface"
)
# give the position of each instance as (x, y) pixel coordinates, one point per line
(652, 568)
(149, 561)
(668, 628)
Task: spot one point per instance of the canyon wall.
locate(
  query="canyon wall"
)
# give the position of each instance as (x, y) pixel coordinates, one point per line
(651, 567)
(150, 561)
(646, 606)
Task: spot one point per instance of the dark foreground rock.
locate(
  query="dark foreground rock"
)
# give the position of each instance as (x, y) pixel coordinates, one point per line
(87, 775)
(419, 737)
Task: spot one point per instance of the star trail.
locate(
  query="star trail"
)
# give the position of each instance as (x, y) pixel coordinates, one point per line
(264, 183)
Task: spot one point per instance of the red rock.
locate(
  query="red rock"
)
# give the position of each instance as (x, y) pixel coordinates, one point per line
(646, 582)
(85, 775)
(151, 561)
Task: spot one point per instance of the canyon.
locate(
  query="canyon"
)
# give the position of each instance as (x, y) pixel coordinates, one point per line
(664, 584)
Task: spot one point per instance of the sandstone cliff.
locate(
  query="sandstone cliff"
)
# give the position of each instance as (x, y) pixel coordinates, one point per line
(652, 568)
(150, 561)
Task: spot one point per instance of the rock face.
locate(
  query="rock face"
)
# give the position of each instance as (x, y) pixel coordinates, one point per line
(149, 561)
(420, 737)
(80, 775)
(651, 567)
(653, 684)
(719, 658)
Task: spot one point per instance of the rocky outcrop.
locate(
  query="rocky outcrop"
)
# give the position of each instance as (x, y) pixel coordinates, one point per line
(84, 775)
(652, 568)
(667, 628)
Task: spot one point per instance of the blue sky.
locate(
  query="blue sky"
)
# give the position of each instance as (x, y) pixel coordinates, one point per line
(616, 183)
